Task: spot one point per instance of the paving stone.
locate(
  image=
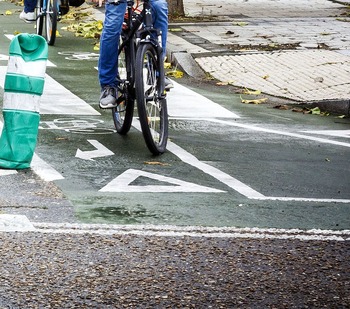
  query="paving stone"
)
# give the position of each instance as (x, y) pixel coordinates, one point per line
(308, 75)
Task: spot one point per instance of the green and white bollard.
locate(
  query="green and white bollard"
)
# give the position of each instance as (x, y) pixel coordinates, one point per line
(24, 85)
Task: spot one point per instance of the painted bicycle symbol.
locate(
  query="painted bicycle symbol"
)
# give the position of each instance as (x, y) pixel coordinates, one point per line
(74, 125)
(79, 55)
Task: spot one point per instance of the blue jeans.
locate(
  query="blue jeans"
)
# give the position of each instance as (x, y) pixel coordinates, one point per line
(29, 5)
(109, 42)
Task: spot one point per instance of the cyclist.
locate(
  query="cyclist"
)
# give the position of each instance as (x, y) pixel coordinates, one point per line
(109, 43)
(28, 14)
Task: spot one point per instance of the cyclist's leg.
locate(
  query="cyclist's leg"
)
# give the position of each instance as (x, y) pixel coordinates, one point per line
(160, 20)
(29, 5)
(108, 61)
(28, 11)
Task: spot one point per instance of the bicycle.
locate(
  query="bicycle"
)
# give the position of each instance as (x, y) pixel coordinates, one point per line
(141, 79)
(46, 13)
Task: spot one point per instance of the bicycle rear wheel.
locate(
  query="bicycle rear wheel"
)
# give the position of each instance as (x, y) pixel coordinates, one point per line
(49, 22)
(151, 104)
(122, 114)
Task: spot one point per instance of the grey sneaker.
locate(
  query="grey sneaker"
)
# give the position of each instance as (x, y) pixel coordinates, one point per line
(168, 84)
(108, 98)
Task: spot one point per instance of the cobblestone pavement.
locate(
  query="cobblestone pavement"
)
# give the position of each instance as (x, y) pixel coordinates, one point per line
(290, 52)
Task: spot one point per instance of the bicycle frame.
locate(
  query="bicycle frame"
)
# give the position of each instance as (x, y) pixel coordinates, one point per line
(147, 34)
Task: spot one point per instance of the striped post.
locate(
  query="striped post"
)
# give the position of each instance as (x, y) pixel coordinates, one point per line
(24, 84)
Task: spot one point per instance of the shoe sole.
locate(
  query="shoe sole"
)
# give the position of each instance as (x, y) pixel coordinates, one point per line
(108, 106)
(28, 21)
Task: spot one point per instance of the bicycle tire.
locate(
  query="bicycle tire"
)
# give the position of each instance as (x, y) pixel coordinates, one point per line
(51, 21)
(123, 113)
(151, 104)
(39, 17)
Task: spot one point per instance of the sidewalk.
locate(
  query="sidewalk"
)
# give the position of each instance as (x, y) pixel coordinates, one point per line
(299, 53)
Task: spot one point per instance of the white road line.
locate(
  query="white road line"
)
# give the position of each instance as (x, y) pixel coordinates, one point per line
(183, 102)
(193, 231)
(265, 130)
(301, 199)
(45, 171)
(216, 173)
(20, 223)
(7, 172)
(336, 133)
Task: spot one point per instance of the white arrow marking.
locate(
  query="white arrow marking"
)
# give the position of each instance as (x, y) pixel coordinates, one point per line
(122, 184)
(101, 151)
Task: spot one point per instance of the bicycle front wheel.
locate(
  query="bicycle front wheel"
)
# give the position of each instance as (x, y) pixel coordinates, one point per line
(50, 21)
(151, 103)
(39, 17)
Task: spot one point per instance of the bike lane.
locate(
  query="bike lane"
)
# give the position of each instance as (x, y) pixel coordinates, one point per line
(136, 264)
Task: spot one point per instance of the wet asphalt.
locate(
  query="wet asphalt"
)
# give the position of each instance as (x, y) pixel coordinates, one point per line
(123, 271)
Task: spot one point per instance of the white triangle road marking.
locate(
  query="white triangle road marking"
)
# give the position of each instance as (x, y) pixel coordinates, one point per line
(123, 181)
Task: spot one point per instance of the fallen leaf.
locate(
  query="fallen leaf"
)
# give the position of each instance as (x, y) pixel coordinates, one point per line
(156, 163)
(175, 29)
(8, 12)
(240, 23)
(253, 92)
(175, 73)
(225, 83)
(256, 101)
(283, 107)
(167, 65)
(301, 110)
(315, 111)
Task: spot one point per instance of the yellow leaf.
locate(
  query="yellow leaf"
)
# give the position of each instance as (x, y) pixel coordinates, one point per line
(240, 23)
(8, 12)
(256, 101)
(156, 163)
(167, 65)
(225, 83)
(175, 73)
(252, 92)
